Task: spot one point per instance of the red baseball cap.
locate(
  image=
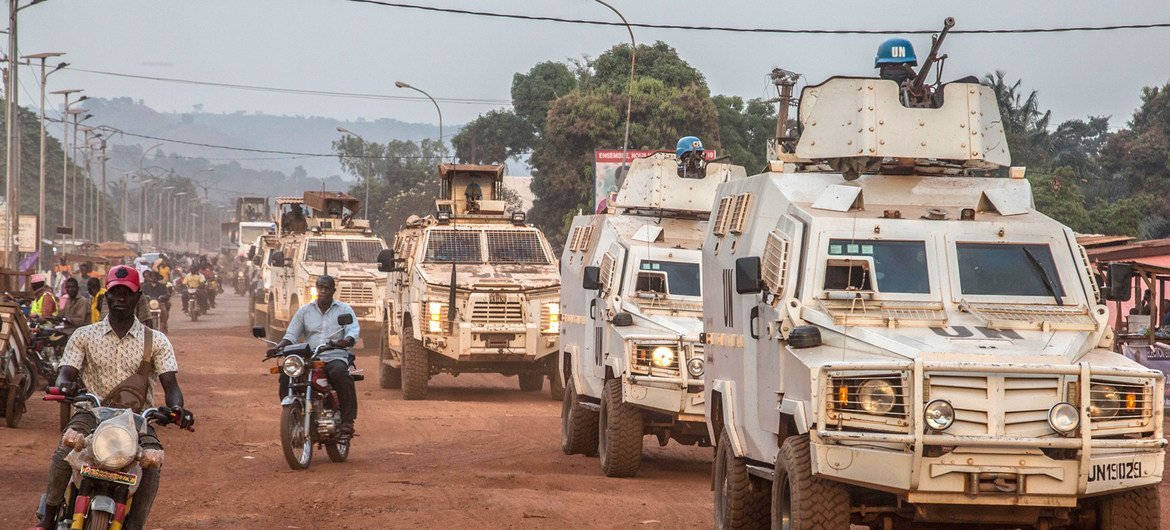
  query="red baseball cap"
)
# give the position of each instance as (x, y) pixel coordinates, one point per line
(123, 275)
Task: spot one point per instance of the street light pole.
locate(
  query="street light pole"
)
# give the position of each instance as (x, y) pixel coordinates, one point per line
(12, 115)
(629, 85)
(41, 166)
(442, 148)
(65, 148)
(99, 216)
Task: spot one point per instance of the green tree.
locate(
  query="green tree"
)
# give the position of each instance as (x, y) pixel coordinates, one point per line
(533, 92)
(493, 138)
(403, 178)
(745, 129)
(1024, 124)
(656, 61)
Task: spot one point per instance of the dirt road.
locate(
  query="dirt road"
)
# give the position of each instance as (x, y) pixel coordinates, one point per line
(479, 453)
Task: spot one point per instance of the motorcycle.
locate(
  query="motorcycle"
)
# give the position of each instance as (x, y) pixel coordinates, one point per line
(47, 346)
(310, 413)
(107, 464)
(241, 283)
(159, 312)
(196, 302)
(17, 382)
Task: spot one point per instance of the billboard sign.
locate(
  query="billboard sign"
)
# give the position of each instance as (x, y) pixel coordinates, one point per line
(608, 162)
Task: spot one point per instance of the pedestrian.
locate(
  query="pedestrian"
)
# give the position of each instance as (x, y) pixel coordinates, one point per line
(44, 304)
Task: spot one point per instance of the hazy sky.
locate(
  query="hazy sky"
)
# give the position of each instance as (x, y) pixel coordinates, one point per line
(339, 45)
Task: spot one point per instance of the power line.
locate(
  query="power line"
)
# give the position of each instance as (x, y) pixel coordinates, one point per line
(311, 92)
(732, 29)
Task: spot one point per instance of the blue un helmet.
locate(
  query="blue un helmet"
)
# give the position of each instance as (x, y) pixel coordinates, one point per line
(687, 144)
(895, 51)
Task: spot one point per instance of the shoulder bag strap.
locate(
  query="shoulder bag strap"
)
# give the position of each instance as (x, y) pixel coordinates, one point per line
(147, 366)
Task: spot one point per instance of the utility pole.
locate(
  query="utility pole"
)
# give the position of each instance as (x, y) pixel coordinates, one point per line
(12, 137)
(101, 193)
(41, 166)
(65, 150)
(784, 81)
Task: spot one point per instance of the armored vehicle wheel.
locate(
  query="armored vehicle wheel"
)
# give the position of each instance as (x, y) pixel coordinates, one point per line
(619, 433)
(578, 425)
(801, 501)
(556, 391)
(1130, 510)
(388, 376)
(416, 369)
(741, 500)
(531, 381)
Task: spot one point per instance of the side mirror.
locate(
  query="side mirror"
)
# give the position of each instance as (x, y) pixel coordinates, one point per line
(258, 332)
(591, 280)
(747, 275)
(276, 258)
(1118, 282)
(345, 319)
(386, 260)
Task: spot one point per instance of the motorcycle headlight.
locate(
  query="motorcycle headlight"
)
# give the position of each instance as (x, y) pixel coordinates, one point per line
(154, 305)
(939, 414)
(662, 356)
(1104, 401)
(877, 396)
(695, 366)
(114, 447)
(292, 365)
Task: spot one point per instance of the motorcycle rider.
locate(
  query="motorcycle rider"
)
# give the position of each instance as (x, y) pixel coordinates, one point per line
(317, 320)
(193, 280)
(97, 299)
(44, 304)
(98, 357)
(76, 309)
(154, 289)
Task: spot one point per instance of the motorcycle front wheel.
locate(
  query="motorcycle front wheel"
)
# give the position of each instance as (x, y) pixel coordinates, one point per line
(97, 520)
(296, 443)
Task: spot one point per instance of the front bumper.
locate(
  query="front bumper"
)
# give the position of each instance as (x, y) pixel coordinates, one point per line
(520, 343)
(994, 469)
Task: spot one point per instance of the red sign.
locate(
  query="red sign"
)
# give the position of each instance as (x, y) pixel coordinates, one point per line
(614, 156)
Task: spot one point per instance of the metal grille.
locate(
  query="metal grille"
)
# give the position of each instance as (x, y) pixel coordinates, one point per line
(453, 246)
(739, 213)
(856, 312)
(644, 359)
(363, 251)
(721, 215)
(606, 273)
(324, 250)
(515, 246)
(775, 262)
(1024, 316)
(1109, 400)
(1023, 401)
(846, 396)
(489, 312)
(356, 293)
(580, 239)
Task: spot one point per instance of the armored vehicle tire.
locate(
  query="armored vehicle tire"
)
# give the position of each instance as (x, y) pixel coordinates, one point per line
(619, 433)
(578, 425)
(388, 376)
(801, 501)
(1135, 509)
(741, 500)
(531, 381)
(416, 369)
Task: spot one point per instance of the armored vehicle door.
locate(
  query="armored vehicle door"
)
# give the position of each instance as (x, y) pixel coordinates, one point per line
(604, 305)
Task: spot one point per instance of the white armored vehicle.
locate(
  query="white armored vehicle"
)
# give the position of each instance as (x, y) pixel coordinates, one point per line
(473, 289)
(632, 309)
(905, 337)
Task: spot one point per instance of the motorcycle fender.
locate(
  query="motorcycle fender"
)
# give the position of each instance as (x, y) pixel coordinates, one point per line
(289, 400)
(102, 503)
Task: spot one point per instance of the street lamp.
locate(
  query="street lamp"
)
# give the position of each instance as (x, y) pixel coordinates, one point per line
(630, 84)
(84, 115)
(369, 165)
(41, 173)
(65, 147)
(401, 84)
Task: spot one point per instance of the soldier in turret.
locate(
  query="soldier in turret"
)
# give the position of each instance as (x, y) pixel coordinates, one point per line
(895, 60)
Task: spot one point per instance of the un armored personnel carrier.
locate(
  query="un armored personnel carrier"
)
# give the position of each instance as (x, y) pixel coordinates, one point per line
(632, 304)
(319, 234)
(893, 333)
(473, 288)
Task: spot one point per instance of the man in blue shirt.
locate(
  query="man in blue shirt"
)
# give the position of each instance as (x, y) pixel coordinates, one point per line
(317, 322)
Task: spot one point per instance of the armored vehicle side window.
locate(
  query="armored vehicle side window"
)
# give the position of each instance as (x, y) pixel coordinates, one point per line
(515, 246)
(363, 251)
(1007, 269)
(323, 250)
(453, 246)
(668, 277)
(900, 266)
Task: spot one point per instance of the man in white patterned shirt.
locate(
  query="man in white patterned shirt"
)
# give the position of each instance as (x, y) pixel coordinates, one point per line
(103, 355)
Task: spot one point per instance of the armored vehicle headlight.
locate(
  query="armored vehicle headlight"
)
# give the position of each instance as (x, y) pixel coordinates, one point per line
(939, 414)
(114, 447)
(662, 356)
(1104, 401)
(552, 317)
(313, 292)
(695, 366)
(877, 396)
(1063, 418)
(292, 365)
(434, 325)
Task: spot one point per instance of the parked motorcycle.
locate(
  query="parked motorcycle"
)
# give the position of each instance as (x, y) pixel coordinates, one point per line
(17, 381)
(107, 464)
(310, 413)
(47, 346)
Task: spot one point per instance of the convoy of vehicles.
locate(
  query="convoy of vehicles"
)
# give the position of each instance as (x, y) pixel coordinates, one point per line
(893, 334)
(318, 234)
(472, 288)
(631, 317)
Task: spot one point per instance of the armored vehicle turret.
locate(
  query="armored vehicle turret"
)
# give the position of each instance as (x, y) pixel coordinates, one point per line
(632, 303)
(473, 288)
(895, 333)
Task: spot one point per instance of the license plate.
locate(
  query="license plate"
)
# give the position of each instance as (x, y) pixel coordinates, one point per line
(1115, 471)
(109, 476)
